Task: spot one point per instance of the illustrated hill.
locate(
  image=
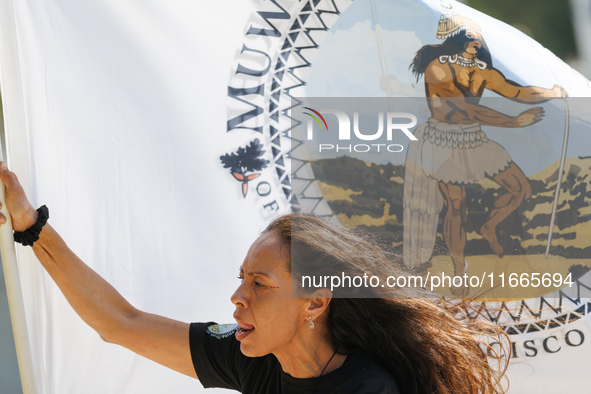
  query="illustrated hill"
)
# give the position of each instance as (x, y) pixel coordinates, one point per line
(370, 195)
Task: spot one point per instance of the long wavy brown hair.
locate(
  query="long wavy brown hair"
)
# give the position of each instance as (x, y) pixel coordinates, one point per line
(430, 345)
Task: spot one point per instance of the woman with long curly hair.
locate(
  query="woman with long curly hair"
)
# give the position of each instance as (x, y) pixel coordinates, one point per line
(316, 342)
(427, 344)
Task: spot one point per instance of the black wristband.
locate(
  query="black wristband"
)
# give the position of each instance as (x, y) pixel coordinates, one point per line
(30, 235)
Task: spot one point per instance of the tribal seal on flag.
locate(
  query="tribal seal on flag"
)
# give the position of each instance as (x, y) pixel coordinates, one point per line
(485, 180)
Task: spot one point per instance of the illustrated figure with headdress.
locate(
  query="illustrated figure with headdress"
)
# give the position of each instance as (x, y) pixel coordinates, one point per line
(453, 151)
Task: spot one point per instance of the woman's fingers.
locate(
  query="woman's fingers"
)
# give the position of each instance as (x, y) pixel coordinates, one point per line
(22, 213)
(7, 177)
(2, 217)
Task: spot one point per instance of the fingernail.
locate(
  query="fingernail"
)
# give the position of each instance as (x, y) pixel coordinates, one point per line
(2, 166)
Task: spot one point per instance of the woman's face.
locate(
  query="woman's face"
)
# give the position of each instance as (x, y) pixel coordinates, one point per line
(267, 314)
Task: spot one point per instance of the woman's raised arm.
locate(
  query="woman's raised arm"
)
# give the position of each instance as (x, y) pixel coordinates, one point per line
(158, 338)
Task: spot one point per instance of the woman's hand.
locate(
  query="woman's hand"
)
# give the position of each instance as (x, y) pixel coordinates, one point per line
(22, 213)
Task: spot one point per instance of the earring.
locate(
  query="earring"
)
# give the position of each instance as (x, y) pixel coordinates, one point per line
(310, 323)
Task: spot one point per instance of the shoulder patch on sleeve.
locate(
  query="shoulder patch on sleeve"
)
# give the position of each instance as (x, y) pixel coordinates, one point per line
(220, 331)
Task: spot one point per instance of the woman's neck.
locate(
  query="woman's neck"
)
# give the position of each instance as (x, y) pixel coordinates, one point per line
(309, 357)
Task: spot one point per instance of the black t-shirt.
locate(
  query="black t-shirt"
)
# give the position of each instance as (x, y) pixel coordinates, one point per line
(219, 362)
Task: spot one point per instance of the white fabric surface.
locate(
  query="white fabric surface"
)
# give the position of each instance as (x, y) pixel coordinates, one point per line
(125, 116)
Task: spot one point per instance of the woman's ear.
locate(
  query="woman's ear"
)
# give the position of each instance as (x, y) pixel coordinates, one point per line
(319, 302)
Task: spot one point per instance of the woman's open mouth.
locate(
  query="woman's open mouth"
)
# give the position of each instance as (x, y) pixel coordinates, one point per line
(243, 331)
